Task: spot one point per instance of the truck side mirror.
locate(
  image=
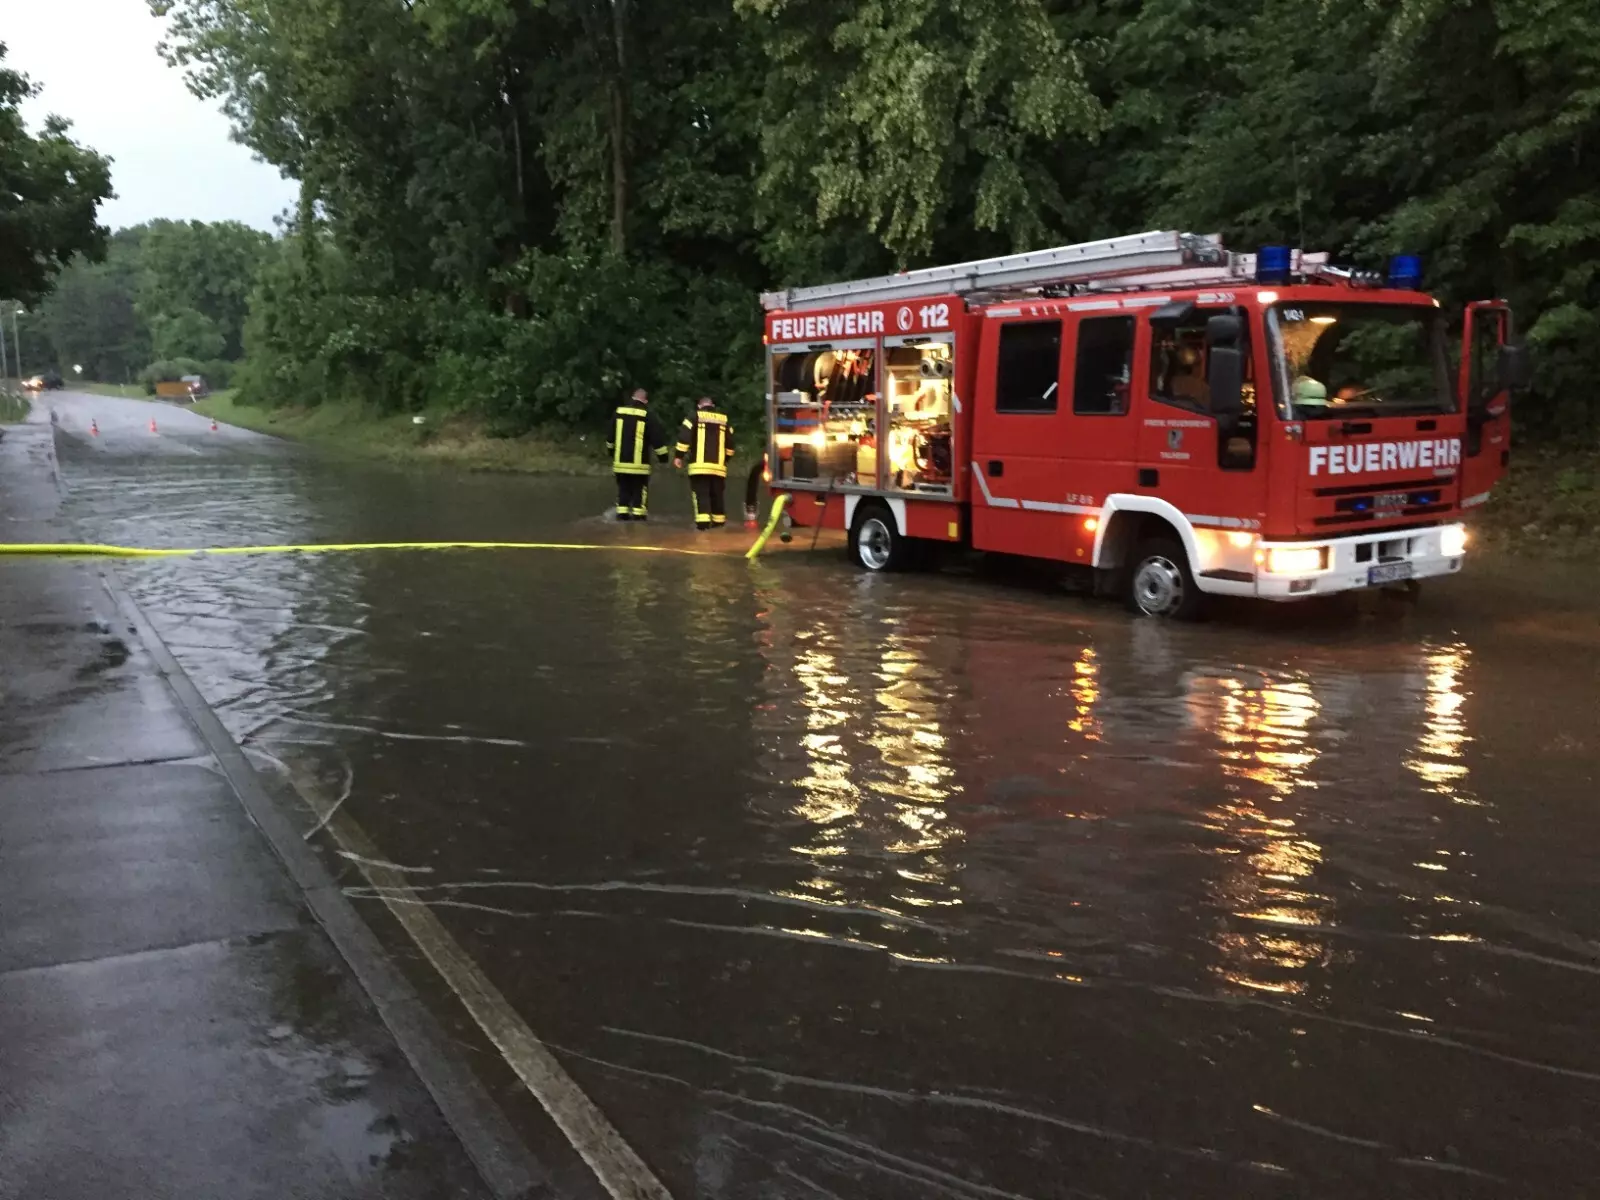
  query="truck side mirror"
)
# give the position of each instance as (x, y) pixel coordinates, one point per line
(1225, 365)
(1224, 330)
(1514, 368)
(1225, 378)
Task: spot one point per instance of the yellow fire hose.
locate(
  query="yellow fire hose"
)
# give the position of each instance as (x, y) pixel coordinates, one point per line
(772, 524)
(92, 550)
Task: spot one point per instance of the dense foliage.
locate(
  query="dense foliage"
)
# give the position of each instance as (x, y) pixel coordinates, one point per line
(524, 207)
(50, 193)
(169, 296)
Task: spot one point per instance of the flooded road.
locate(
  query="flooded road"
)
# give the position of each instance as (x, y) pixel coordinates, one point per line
(826, 885)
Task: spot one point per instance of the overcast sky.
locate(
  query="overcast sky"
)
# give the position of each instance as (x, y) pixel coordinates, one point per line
(172, 156)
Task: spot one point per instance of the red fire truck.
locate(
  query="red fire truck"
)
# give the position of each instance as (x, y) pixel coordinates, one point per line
(1181, 419)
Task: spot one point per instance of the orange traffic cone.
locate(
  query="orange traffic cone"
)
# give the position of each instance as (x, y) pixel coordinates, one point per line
(152, 424)
(213, 425)
(94, 428)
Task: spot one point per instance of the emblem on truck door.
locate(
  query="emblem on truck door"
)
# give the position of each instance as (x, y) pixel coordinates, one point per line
(1174, 439)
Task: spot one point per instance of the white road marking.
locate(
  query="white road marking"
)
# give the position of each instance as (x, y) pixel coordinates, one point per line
(615, 1164)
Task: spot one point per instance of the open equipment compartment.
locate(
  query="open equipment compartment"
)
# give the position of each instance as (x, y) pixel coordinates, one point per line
(919, 416)
(826, 414)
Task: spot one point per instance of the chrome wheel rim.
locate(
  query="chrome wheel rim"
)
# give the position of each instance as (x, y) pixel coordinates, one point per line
(875, 544)
(1158, 586)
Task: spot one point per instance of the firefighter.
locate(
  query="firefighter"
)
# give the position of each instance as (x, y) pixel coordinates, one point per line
(634, 433)
(706, 440)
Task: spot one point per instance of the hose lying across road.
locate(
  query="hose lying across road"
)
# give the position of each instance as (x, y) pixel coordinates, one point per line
(89, 549)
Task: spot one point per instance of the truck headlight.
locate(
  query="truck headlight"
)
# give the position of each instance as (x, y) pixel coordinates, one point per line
(1453, 541)
(1295, 560)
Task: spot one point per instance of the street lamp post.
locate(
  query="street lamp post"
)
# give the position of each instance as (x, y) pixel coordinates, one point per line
(16, 338)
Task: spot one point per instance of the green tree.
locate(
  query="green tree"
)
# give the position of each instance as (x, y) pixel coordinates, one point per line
(185, 334)
(90, 315)
(195, 285)
(51, 189)
(924, 121)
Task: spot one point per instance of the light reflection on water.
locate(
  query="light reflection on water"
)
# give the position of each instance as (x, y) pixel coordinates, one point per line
(1441, 747)
(1085, 695)
(876, 778)
(1266, 733)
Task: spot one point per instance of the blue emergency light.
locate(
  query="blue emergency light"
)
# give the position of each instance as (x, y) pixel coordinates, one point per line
(1405, 271)
(1274, 264)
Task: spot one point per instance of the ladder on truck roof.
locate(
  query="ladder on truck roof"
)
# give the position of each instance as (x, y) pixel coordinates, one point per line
(1140, 253)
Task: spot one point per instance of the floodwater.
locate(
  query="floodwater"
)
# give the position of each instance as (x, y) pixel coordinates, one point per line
(825, 885)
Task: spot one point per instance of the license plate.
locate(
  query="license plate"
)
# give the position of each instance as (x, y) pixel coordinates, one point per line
(1389, 572)
(1386, 500)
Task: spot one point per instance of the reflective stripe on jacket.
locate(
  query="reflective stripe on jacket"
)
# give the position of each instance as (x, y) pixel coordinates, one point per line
(635, 434)
(706, 443)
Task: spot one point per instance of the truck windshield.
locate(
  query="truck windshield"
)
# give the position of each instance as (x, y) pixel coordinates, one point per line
(1351, 359)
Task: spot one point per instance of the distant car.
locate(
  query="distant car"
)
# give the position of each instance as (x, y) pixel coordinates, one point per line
(51, 380)
(33, 384)
(43, 381)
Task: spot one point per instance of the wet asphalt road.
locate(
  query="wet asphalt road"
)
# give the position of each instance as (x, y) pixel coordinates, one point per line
(826, 885)
(122, 428)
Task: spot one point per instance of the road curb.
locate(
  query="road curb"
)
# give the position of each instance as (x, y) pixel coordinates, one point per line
(508, 1168)
(505, 1163)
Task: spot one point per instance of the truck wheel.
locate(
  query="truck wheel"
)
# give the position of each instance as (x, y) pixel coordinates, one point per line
(1161, 584)
(875, 542)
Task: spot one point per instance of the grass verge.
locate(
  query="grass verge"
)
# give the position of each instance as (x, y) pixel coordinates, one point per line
(13, 407)
(128, 391)
(1548, 503)
(444, 440)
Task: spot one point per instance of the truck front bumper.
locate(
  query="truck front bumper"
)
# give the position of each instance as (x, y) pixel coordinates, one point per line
(1366, 560)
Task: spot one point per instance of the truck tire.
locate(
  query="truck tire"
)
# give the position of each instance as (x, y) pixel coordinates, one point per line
(875, 543)
(1160, 583)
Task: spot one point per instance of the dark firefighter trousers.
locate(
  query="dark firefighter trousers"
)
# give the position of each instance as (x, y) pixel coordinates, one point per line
(710, 501)
(633, 497)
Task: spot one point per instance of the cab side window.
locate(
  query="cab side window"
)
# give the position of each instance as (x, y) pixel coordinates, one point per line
(1485, 357)
(1103, 366)
(1028, 378)
(1178, 363)
(1178, 367)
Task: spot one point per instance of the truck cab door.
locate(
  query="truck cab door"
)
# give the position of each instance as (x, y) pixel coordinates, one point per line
(1204, 463)
(1486, 449)
(1018, 439)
